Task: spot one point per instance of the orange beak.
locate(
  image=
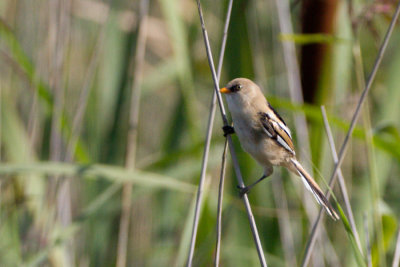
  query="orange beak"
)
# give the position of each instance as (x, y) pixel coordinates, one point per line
(225, 90)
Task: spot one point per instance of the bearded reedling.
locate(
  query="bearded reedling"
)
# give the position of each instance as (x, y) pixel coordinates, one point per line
(265, 136)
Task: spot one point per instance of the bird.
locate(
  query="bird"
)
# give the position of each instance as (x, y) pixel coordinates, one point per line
(265, 136)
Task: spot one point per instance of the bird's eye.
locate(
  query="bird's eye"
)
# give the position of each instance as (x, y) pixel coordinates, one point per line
(236, 87)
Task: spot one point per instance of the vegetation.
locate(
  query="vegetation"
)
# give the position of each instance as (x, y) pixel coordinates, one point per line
(67, 72)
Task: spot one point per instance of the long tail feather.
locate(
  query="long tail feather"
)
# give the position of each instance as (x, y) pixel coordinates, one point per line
(313, 187)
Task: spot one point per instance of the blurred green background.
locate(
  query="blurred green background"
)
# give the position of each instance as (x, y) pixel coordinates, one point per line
(67, 69)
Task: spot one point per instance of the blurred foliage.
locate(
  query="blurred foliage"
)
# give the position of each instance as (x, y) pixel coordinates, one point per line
(67, 212)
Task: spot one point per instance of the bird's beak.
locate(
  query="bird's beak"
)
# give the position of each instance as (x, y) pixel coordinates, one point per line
(225, 90)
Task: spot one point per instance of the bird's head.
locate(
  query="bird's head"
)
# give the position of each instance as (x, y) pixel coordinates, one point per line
(238, 86)
(241, 91)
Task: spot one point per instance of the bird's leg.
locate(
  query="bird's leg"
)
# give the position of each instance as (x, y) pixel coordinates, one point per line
(246, 189)
(228, 130)
(268, 170)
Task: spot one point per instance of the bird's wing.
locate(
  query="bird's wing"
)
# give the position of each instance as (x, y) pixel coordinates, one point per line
(276, 129)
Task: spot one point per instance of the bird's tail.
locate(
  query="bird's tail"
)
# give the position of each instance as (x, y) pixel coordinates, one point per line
(313, 187)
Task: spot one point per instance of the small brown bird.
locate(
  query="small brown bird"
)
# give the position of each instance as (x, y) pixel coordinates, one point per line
(264, 135)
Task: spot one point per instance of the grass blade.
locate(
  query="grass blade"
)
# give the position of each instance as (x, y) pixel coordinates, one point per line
(111, 173)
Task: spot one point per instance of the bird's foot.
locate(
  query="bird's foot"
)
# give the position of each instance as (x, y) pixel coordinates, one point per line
(228, 130)
(246, 189)
(243, 190)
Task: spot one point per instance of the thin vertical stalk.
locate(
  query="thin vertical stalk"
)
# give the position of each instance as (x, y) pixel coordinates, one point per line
(293, 73)
(374, 182)
(64, 194)
(255, 44)
(59, 35)
(396, 257)
(33, 119)
(342, 184)
(296, 96)
(1, 141)
(208, 141)
(62, 187)
(231, 146)
(285, 230)
(367, 241)
(370, 153)
(55, 139)
(84, 95)
(343, 148)
(1, 122)
(132, 134)
(219, 209)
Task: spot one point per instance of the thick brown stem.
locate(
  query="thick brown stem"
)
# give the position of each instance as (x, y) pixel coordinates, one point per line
(318, 16)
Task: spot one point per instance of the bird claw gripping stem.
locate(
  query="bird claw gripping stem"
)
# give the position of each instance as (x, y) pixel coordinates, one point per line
(228, 130)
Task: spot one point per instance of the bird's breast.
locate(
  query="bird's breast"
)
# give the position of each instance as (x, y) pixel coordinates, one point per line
(255, 142)
(249, 134)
